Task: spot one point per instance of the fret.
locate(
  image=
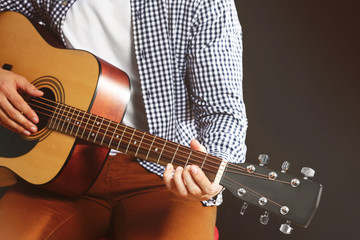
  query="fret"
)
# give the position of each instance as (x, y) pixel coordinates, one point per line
(122, 135)
(105, 133)
(64, 119)
(161, 152)
(56, 122)
(175, 153)
(76, 134)
(52, 121)
(76, 122)
(99, 125)
(147, 155)
(142, 138)
(187, 160)
(112, 137)
(69, 119)
(60, 117)
(92, 126)
(88, 117)
(130, 141)
(204, 161)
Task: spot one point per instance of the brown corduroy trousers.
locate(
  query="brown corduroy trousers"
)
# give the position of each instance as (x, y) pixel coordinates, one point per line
(125, 199)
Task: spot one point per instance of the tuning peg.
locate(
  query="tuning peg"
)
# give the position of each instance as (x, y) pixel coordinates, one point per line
(243, 208)
(264, 219)
(308, 172)
(285, 166)
(285, 228)
(264, 159)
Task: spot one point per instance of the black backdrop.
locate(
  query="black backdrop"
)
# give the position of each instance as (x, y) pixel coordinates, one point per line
(301, 88)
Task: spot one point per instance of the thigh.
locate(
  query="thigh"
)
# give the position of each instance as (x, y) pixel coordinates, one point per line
(160, 215)
(29, 213)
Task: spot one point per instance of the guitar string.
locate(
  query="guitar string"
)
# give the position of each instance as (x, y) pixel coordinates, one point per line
(148, 139)
(236, 184)
(225, 177)
(261, 177)
(126, 136)
(214, 161)
(230, 165)
(233, 166)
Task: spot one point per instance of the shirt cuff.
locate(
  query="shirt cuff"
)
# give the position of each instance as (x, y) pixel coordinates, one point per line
(214, 201)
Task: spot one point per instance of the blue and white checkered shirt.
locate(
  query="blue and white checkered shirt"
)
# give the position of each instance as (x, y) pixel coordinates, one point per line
(189, 56)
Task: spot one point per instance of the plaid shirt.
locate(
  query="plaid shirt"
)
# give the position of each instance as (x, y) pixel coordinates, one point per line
(189, 56)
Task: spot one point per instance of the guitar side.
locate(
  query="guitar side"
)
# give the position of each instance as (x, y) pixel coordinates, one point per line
(78, 79)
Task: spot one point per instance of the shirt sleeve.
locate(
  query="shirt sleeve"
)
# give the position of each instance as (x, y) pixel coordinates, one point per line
(24, 7)
(215, 74)
(215, 77)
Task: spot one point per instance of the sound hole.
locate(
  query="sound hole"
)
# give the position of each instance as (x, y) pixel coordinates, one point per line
(44, 107)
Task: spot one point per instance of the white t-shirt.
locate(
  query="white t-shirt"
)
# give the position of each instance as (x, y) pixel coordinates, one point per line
(104, 29)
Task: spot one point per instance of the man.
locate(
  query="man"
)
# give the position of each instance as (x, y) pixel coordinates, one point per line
(184, 61)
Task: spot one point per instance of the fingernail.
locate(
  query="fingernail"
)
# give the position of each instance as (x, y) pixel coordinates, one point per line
(27, 133)
(168, 166)
(194, 169)
(33, 129)
(35, 119)
(179, 168)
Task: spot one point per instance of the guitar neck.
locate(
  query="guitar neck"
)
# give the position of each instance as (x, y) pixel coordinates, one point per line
(128, 140)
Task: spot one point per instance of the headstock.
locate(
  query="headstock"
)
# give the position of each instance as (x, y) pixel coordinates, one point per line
(292, 198)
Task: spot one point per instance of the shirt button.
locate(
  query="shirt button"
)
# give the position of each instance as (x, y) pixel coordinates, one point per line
(65, 3)
(137, 14)
(142, 54)
(148, 94)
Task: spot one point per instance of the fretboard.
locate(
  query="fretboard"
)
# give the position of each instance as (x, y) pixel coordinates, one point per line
(128, 140)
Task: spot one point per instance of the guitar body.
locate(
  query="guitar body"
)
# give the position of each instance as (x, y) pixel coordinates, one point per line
(62, 163)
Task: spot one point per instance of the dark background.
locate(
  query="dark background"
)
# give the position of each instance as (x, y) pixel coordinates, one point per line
(301, 89)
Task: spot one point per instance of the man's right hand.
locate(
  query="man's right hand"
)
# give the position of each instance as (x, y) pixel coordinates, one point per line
(15, 113)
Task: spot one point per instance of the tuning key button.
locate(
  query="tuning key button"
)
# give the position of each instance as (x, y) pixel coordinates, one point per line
(264, 159)
(250, 168)
(295, 182)
(308, 172)
(241, 192)
(284, 210)
(285, 228)
(285, 166)
(264, 219)
(263, 201)
(272, 175)
(243, 208)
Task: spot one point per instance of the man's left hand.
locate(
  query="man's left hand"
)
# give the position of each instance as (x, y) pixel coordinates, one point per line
(190, 183)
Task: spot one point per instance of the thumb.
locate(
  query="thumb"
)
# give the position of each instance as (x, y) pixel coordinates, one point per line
(28, 88)
(197, 146)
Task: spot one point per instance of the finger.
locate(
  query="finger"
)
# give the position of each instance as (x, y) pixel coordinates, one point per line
(168, 178)
(180, 185)
(191, 185)
(15, 117)
(19, 103)
(20, 83)
(10, 124)
(27, 87)
(208, 188)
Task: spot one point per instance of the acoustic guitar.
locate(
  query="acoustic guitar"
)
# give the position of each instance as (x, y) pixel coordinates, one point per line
(80, 120)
